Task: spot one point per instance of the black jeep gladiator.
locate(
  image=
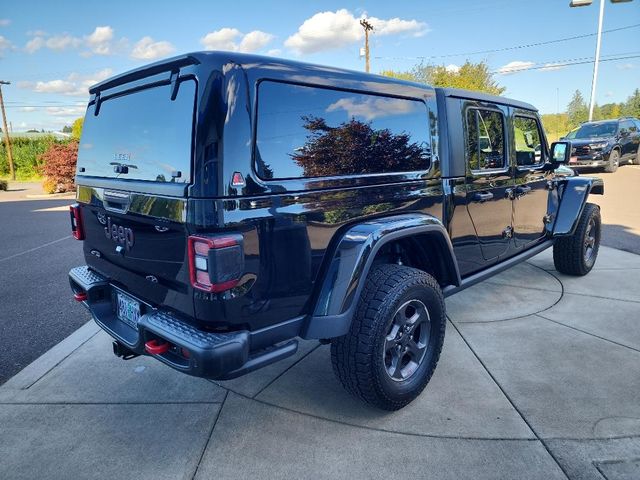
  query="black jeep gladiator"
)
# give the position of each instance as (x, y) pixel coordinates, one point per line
(231, 204)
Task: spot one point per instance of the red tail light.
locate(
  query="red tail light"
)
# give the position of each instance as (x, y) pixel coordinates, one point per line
(216, 264)
(77, 229)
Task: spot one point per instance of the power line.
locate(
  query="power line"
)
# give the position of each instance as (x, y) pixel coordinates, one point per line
(553, 65)
(516, 47)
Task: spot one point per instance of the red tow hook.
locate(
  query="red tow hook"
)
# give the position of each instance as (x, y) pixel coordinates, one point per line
(80, 296)
(156, 347)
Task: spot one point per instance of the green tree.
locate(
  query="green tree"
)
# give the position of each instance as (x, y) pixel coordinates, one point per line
(470, 76)
(577, 110)
(355, 146)
(76, 128)
(67, 129)
(632, 105)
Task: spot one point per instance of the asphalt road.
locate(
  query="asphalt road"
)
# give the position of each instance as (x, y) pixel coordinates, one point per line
(37, 309)
(620, 207)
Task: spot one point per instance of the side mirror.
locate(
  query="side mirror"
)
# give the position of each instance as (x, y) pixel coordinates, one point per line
(560, 152)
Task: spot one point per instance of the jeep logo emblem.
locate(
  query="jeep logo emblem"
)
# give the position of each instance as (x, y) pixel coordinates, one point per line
(119, 234)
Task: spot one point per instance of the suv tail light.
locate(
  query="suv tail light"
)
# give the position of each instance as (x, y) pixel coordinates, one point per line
(215, 263)
(77, 229)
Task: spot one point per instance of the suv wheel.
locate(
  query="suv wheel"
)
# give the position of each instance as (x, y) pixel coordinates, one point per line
(614, 161)
(395, 339)
(636, 160)
(576, 254)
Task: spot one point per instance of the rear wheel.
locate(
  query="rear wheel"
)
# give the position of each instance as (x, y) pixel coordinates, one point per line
(577, 253)
(393, 346)
(614, 161)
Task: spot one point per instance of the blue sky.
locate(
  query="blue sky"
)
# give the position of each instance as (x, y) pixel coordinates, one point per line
(52, 51)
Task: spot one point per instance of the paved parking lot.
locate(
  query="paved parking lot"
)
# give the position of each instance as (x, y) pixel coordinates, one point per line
(547, 388)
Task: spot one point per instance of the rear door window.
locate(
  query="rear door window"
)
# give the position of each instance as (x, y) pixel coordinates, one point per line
(309, 132)
(485, 140)
(144, 133)
(528, 142)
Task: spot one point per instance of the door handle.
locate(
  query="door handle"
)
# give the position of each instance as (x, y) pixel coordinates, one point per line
(523, 190)
(482, 196)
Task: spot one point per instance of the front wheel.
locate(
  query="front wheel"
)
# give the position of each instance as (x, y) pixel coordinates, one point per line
(394, 343)
(576, 254)
(614, 161)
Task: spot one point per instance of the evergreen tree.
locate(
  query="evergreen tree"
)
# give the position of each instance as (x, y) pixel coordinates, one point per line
(577, 110)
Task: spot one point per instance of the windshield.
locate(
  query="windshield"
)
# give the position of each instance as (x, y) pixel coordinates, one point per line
(140, 136)
(591, 130)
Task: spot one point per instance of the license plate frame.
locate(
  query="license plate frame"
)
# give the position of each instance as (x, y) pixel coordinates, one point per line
(128, 309)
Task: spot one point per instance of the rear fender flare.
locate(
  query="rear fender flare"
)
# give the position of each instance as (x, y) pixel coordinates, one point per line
(352, 260)
(572, 202)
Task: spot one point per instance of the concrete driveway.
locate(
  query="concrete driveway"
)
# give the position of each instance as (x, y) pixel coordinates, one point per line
(540, 380)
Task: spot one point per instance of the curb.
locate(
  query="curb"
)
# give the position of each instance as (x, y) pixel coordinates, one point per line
(48, 360)
(66, 195)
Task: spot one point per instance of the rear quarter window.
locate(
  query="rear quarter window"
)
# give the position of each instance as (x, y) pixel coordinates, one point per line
(308, 132)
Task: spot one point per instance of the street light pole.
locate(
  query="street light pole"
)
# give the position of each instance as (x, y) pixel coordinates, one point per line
(6, 132)
(594, 81)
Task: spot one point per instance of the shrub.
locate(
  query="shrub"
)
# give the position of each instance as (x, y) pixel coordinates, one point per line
(4, 184)
(59, 166)
(25, 155)
(49, 185)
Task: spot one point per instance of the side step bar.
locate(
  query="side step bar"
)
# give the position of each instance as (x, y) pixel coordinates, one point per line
(500, 267)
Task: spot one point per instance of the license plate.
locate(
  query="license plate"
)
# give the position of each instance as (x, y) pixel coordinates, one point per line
(573, 160)
(128, 309)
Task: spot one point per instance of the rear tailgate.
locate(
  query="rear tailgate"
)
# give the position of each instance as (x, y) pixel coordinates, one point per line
(134, 166)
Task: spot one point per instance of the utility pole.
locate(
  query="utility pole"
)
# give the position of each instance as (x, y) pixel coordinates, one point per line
(367, 27)
(6, 132)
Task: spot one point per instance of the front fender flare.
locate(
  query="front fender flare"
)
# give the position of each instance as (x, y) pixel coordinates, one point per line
(574, 197)
(352, 260)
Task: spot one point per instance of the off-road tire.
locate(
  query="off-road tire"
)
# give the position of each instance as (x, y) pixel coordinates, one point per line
(614, 161)
(569, 253)
(358, 358)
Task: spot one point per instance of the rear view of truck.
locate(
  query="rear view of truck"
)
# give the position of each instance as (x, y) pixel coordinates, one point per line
(143, 260)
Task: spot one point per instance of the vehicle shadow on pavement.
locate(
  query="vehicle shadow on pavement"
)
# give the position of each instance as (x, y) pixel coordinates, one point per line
(621, 237)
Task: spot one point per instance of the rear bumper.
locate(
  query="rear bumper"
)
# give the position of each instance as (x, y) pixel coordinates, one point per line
(192, 351)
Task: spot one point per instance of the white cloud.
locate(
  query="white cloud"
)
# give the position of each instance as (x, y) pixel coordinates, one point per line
(372, 108)
(453, 68)
(4, 22)
(552, 66)
(65, 111)
(331, 30)
(608, 94)
(274, 52)
(28, 109)
(35, 44)
(514, 67)
(625, 66)
(254, 41)
(5, 44)
(100, 40)
(62, 42)
(234, 40)
(148, 49)
(74, 85)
